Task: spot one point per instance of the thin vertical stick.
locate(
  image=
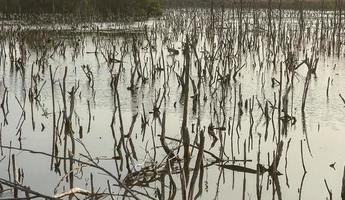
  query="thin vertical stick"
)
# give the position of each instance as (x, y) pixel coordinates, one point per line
(54, 117)
(184, 129)
(343, 186)
(92, 188)
(15, 190)
(329, 78)
(328, 190)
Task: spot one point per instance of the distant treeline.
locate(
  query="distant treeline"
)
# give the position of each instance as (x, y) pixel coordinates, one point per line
(287, 4)
(126, 7)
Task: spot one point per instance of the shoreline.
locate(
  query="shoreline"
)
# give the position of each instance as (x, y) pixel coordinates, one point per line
(307, 5)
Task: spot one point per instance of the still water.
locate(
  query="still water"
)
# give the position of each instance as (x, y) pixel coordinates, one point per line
(29, 52)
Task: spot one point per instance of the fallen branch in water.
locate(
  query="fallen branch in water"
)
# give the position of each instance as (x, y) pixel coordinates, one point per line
(238, 168)
(73, 191)
(86, 193)
(24, 189)
(207, 152)
(94, 165)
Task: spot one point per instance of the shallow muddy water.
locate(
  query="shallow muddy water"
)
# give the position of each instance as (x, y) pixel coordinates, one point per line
(246, 95)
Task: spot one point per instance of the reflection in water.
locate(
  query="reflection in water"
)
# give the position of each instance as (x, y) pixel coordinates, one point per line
(197, 104)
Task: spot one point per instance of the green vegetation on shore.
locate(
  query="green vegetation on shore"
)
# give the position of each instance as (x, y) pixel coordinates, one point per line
(285, 4)
(132, 8)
